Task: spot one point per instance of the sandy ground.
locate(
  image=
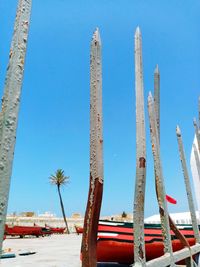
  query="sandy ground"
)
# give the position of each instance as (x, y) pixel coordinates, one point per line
(52, 251)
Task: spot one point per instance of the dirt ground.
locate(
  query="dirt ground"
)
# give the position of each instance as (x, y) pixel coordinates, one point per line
(52, 251)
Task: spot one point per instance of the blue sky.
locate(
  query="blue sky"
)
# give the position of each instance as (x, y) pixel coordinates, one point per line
(53, 130)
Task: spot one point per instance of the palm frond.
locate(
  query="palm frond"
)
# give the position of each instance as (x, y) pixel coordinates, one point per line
(59, 178)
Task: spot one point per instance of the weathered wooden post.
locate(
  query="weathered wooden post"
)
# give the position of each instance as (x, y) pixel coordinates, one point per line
(139, 196)
(160, 189)
(10, 105)
(187, 185)
(89, 240)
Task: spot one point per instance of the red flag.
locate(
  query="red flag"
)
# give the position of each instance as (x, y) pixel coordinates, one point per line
(170, 199)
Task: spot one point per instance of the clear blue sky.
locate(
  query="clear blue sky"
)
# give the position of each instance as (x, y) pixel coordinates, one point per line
(53, 130)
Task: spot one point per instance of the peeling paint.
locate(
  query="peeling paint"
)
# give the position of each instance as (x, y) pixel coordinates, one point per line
(89, 240)
(160, 190)
(138, 213)
(157, 97)
(142, 163)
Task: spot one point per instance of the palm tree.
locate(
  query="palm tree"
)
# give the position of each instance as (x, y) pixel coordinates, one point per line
(59, 179)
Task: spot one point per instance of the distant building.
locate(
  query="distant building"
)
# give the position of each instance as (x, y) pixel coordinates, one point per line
(76, 215)
(28, 214)
(47, 218)
(47, 214)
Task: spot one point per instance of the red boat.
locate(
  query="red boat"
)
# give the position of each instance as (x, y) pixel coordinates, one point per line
(22, 231)
(57, 230)
(115, 241)
(79, 229)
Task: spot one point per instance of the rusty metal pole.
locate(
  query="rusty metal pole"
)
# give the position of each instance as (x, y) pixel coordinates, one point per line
(89, 239)
(187, 185)
(139, 196)
(157, 97)
(10, 107)
(159, 180)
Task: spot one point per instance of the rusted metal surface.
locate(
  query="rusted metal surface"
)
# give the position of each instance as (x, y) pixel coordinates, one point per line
(187, 185)
(138, 214)
(157, 97)
(89, 240)
(159, 180)
(10, 105)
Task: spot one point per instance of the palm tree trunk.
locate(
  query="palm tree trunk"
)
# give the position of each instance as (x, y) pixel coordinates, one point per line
(62, 208)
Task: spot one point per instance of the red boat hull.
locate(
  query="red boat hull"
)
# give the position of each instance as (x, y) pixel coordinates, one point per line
(25, 230)
(115, 241)
(79, 229)
(57, 230)
(122, 252)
